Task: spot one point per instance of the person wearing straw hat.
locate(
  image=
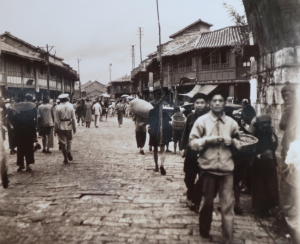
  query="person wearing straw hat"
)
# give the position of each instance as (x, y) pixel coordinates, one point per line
(23, 120)
(65, 123)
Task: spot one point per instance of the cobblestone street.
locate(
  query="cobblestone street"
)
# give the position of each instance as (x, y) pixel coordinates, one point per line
(110, 194)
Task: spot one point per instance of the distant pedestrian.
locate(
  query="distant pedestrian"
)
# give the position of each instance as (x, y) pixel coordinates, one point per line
(97, 112)
(88, 113)
(80, 112)
(214, 136)
(178, 121)
(140, 132)
(24, 123)
(65, 123)
(120, 108)
(45, 122)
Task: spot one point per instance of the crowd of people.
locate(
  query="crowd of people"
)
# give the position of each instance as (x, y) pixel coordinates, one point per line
(215, 159)
(209, 136)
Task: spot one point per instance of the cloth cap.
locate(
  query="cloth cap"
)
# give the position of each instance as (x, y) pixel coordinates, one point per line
(263, 119)
(62, 96)
(245, 101)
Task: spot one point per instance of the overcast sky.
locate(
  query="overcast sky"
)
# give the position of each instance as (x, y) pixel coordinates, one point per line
(102, 31)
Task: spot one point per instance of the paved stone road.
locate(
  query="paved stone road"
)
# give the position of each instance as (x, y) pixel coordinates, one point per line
(109, 194)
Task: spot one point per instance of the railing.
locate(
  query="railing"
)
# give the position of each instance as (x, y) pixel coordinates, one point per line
(215, 66)
(14, 80)
(17, 73)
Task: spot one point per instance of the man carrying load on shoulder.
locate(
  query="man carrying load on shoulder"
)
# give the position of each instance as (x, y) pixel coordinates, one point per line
(214, 136)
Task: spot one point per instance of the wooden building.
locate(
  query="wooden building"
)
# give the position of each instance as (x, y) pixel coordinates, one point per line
(119, 87)
(93, 89)
(23, 69)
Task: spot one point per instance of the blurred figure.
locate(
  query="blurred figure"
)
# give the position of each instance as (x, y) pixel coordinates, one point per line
(45, 122)
(97, 112)
(178, 119)
(88, 113)
(265, 194)
(80, 112)
(248, 112)
(140, 132)
(24, 123)
(120, 108)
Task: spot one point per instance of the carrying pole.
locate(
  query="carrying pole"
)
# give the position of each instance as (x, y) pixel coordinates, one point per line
(161, 78)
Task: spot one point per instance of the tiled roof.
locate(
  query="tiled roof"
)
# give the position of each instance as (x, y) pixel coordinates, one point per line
(125, 78)
(12, 50)
(228, 36)
(196, 22)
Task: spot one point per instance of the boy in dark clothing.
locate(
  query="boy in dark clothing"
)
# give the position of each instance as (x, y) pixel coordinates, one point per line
(191, 167)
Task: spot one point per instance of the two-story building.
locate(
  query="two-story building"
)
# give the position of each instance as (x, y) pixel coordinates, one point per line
(119, 87)
(23, 69)
(208, 59)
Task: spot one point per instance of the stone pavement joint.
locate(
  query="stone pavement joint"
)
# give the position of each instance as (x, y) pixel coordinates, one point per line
(109, 194)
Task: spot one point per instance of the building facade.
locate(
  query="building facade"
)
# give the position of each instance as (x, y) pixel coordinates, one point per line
(23, 69)
(121, 86)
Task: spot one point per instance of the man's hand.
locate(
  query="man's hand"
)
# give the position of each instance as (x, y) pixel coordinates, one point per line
(214, 140)
(74, 131)
(228, 141)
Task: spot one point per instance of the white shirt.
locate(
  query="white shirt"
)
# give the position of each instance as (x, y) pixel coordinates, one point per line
(65, 111)
(97, 109)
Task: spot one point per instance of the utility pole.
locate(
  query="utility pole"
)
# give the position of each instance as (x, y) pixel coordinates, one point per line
(161, 78)
(48, 64)
(140, 34)
(80, 94)
(133, 57)
(110, 72)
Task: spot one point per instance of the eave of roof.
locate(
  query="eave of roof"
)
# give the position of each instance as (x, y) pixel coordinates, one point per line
(225, 37)
(125, 78)
(196, 22)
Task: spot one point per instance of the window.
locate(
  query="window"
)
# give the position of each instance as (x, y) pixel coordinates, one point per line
(205, 58)
(28, 69)
(246, 62)
(224, 56)
(189, 62)
(215, 57)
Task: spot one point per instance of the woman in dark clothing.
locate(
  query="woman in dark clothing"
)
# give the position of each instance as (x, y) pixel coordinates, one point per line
(265, 193)
(23, 121)
(191, 167)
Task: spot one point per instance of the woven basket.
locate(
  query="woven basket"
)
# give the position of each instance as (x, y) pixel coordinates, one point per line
(178, 125)
(249, 148)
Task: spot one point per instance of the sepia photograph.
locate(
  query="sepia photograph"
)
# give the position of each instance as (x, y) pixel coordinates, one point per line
(149, 121)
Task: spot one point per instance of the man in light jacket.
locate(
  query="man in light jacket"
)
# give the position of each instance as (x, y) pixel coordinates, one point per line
(65, 122)
(214, 136)
(97, 112)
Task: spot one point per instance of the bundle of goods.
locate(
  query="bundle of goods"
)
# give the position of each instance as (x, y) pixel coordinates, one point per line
(178, 122)
(248, 143)
(140, 107)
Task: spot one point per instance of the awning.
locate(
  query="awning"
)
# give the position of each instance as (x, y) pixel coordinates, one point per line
(206, 89)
